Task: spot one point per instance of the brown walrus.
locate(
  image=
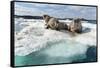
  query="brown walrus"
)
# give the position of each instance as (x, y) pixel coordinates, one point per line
(75, 26)
(53, 23)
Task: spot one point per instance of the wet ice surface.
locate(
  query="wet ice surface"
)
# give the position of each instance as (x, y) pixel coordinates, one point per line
(36, 45)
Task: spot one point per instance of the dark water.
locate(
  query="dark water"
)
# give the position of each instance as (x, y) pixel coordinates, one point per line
(92, 21)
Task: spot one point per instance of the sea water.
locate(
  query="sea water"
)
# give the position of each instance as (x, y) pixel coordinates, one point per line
(38, 46)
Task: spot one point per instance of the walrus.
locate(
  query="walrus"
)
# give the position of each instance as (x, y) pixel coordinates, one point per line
(75, 26)
(53, 23)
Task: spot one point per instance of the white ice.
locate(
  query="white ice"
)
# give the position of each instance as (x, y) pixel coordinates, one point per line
(34, 37)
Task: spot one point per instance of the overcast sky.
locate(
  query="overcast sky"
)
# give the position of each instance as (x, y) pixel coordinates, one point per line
(62, 11)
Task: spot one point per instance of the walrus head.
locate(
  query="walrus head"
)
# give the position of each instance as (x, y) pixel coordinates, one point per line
(46, 18)
(77, 20)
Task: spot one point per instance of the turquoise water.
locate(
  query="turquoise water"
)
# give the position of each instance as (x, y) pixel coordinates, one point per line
(59, 52)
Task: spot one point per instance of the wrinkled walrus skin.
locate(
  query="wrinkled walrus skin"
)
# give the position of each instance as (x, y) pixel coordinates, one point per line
(53, 23)
(75, 26)
(62, 26)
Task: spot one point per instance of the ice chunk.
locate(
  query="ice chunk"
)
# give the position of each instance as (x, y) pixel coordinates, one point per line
(35, 37)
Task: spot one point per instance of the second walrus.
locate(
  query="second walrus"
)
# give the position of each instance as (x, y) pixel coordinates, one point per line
(75, 26)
